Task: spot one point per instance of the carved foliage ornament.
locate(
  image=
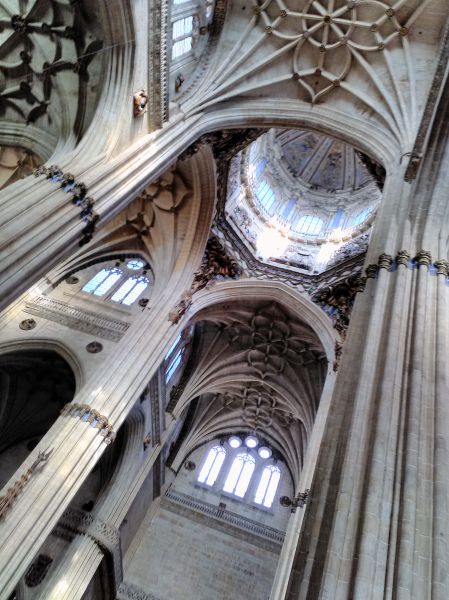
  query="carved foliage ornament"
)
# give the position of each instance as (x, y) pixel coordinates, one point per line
(328, 36)
(216, 265)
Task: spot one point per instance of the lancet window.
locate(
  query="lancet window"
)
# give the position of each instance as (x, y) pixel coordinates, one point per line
(212, 465)
(240, 474)
(268, 484)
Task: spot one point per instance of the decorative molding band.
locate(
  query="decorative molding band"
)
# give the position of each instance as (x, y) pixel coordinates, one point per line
(403, 258)
(127, 591)
(12, 493)
(75, 318)
(80, 198)
(93, 417)
(158, 63)
(211, 510)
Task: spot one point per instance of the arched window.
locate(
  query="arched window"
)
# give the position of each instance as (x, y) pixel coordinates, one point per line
(265, 194)
(103, 281)
(129, 289)
(309, 225)
(173, 358)
(182, 36)
(212, 465)
(267, 487)
(239, 475)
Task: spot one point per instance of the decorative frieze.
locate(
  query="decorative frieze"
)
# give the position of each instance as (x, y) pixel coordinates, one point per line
(93, 417)
(79, 197)
(12, 493)
(94, 324)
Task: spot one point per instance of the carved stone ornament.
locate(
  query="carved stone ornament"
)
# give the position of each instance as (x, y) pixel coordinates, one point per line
(385, 261)
(442, 267)
(94, 347)
(403, 258)
(140, 103)
(72, 280)
(424, 258)
(93, 417)
(372, 271)
(27, 324)
(16, 489)
(38, 570)
(216, 265)
(337, 301)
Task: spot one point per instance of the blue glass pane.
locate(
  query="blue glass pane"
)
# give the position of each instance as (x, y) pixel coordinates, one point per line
(173, 366)
(111, 279)
(95, 281)
(261, 167)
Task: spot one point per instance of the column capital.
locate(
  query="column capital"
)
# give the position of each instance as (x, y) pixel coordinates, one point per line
(442, 267)
(424, 258)
(385, 261)
(403, 257)
(371, 271)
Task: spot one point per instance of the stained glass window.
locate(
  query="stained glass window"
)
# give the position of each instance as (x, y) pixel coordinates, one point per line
(103, 281)
(212, 465)
(130, 290)
(239, 475)
(267, 487)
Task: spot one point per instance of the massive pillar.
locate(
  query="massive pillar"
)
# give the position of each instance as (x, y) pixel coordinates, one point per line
(376, 524)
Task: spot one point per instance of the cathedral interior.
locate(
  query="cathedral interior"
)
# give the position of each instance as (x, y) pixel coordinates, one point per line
(224, 295)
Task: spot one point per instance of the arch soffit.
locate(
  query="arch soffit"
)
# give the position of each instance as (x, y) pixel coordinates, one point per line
(296, 304)
(286, 113)
(48, 345)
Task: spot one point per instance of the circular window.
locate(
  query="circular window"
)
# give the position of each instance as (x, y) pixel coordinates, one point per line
(235, 442)
(251, 441)
(264, 452)
(135, 264)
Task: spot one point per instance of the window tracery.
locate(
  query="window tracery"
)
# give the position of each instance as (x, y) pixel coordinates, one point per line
(131, 286)
(212, 465)
(240, 474)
